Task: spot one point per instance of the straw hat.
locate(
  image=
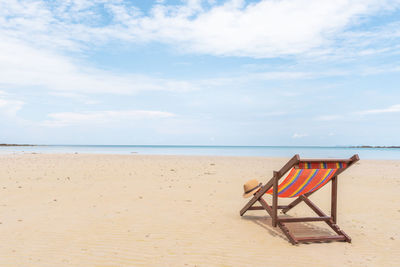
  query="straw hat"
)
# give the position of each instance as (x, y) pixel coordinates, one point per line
(250, 187)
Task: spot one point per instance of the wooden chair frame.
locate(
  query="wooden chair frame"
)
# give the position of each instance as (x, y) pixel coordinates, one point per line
(280, 221)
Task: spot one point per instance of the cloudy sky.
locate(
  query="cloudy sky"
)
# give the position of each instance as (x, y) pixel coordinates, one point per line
(206, 72)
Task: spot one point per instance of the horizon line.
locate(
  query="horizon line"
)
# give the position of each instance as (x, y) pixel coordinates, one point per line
(175, 145)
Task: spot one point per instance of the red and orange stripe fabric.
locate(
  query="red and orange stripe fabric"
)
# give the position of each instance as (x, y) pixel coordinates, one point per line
(307, 177)
(322, 165)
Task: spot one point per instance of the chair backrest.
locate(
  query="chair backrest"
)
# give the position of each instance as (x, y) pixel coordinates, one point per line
(308, 176)
(321, 165)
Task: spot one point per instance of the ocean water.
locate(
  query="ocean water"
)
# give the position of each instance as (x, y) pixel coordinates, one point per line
(261, 151)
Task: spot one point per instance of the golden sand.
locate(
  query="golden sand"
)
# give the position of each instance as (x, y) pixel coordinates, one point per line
(133, 210)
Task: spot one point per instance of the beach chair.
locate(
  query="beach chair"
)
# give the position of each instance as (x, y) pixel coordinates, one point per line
(305, 177)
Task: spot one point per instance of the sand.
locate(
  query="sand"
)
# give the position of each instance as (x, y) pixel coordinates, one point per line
(135, 210)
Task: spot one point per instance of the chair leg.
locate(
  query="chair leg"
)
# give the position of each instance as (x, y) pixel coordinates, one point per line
(267, 207)
(292, 239)
(334, 199)
(275, 200)
(330, 223)
(248, 205)
(285, 230)
(342, 236)
(256, 197)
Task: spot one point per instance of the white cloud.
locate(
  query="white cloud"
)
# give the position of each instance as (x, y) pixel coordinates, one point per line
(391, 109)
(273, 113)
(101, 117)
(263, 29)
(328, 117)
(25, 66)
(9, 107)
(299, 135)
(22, 65)
(282, 75)
(260, 29)
(76, 96)
(36, 34)
(383, 39)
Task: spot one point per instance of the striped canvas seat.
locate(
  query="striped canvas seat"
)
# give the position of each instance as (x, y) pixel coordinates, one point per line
(307, 177)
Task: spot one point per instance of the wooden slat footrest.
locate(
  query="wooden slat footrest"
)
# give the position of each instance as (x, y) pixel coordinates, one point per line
(281, 207)
(321, 238)
(261, 208)
(304, 219)
(256, 208)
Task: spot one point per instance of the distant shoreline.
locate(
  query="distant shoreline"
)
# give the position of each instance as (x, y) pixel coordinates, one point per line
(16, 145)
(374, 146)
(364, 146)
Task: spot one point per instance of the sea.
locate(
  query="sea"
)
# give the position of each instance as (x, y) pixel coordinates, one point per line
(258, 151)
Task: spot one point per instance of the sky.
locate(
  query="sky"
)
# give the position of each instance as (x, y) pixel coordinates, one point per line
(200, 72)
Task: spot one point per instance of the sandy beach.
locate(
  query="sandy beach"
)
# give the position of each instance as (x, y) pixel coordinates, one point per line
(135, 210)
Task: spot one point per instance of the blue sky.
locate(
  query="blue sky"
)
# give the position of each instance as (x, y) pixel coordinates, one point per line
(205, 72)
